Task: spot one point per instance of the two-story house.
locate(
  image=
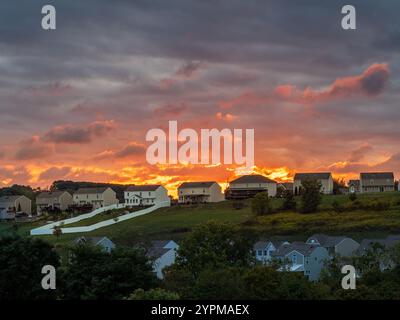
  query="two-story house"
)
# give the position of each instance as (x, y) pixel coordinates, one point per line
(200, 192)
(340, 245)
(263, 249)
(302, 257)
(146, 195)
(53, 199)
(97, 197)
(324, 178)
(12, 205)
(248, 186)
(163, 254)
(376, 181)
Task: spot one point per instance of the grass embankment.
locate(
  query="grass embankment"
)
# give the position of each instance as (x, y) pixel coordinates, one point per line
(174, 222)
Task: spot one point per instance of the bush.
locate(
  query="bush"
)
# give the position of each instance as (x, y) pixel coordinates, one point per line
(261, 205)
(288, 203)
(311, 196)
(352, 196)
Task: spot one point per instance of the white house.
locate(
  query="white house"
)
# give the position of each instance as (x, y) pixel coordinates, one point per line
(248, 186)
(200, 192)
(103, 242)
(264, 249)
(12, 205)
(324, 178)
(302, 257)
(163, 252)
(97, 197)
(146, 195)
(339, 245)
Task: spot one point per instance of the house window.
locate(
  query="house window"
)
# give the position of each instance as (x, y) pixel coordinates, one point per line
(265, 252)
(259, 252)
(149, 193)
(294, 258)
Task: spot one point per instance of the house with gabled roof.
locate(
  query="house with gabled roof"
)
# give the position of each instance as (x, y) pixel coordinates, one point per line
(324, 178)
(376, 182)
(200, 192)
(104, 242)
(340, 245)
(53, 199)
(248, 186)
(308, 259)
(11, 205)
(263, 249)
(354, 186)
(146, 195)
(97, 197)
(163, 254)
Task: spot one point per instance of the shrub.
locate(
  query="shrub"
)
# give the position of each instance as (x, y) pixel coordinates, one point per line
(261, 204)
(288, 203)
(311, 196)
(352, 196)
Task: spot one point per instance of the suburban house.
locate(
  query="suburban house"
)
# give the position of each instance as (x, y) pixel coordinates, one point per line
(302, 257)
(369, 244)
(324, 178)
(12, 205)
(248, 186)
(163, 252)
(53, 199)
(340, 245)
(103, 242)
(97, 197)
(146, 195)
(376, 181)
(354, 186)
(200, 192)
(264, 249)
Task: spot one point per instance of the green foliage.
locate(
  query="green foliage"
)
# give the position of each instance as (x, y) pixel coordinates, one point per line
(21, 261)
(337, 185)
(94, 274)
(289, 203)
(261, 204)
(153, 294)
(213, 245)
(337, 207)
(352, 196)
(311, 196)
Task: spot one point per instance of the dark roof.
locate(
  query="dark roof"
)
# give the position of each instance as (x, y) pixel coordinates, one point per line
(367, 244)
(287, 185)
(304, 248)
(148, 187)
(92, 240)
(50, 194)
(9, 198)
(328, 241)
(354, 182)
(262, 244)
(377, 175)
(312, 176)
(157, 248)
(253, 178)
(200, 184)
(91, 190)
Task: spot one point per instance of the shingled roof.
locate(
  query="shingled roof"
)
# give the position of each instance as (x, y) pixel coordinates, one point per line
(50, 194)
(91, 190)
(377, 175)
(201, 184)
(312, 176)
(148, 187)
(253, 178)
(304, 248)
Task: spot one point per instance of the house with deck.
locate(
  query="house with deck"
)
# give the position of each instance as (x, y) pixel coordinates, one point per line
(11, 206)
(324, 178)
(146, 195)
(53, 200)
(248, 186)
(308, 259)
(376, 182)
(97, 197)
(340, 245)
(200, 192)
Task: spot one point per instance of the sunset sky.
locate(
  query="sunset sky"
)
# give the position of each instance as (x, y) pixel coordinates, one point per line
(76, 103)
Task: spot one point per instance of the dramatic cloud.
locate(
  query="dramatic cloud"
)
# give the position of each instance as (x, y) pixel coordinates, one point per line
(188, 69)
(359, 153)
(79, 134)
(33, 148)
(54, 173)
(133, 149)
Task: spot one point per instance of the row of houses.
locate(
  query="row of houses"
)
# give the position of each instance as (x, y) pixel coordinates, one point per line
(244, 187)
(311, 256)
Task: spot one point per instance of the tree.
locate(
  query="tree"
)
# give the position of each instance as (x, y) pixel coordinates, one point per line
(21, 261)
(311, 196)
(289, 203)
(337, 185)
(57, 231)
(95, 274)
(153, 294)
(214, 245)
(352, 197)
(261, 204)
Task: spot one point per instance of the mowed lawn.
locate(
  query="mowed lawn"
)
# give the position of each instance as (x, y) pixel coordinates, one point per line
(175, 222)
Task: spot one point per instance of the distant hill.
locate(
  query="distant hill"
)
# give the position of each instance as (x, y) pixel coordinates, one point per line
(72, 186)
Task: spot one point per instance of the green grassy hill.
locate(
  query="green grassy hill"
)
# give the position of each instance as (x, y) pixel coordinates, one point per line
(174, 222)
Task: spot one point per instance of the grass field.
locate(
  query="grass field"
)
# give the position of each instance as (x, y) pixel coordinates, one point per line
(175, 222)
